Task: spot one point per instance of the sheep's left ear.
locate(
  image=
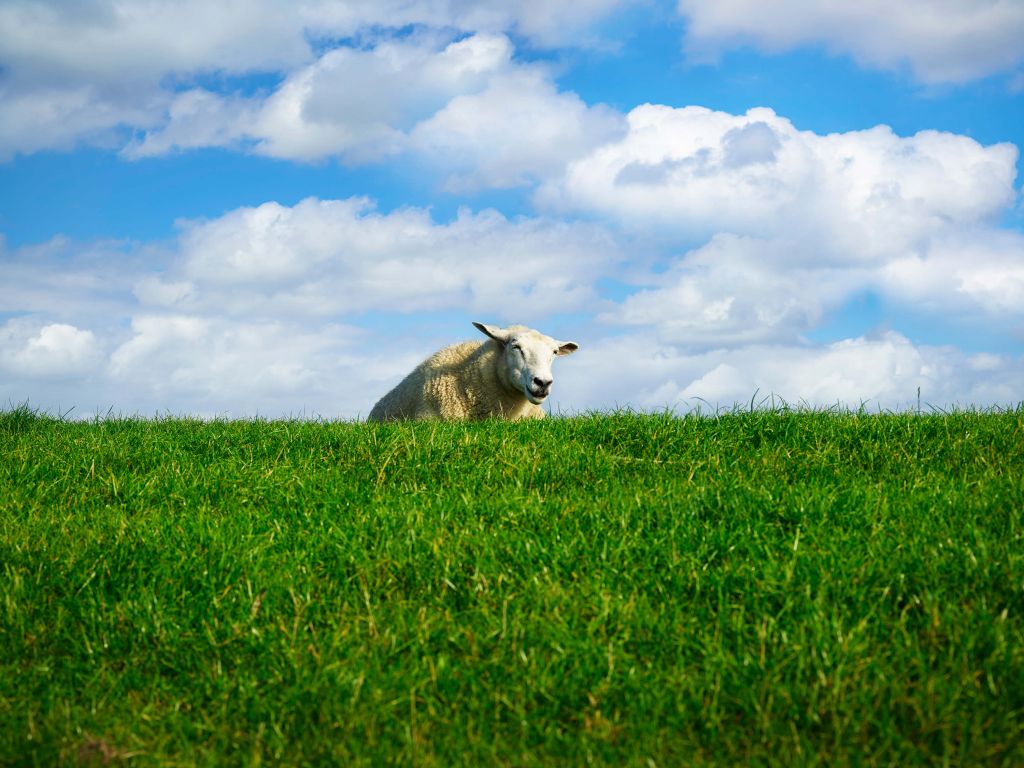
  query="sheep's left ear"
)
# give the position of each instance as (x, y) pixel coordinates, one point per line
(567, 347)
(500, 335)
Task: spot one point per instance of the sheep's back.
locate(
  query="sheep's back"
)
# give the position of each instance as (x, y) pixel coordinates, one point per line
(440, 382)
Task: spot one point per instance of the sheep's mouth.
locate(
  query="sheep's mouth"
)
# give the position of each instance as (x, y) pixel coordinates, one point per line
(537, 397)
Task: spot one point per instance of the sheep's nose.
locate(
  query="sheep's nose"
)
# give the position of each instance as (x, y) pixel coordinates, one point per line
(541, 383)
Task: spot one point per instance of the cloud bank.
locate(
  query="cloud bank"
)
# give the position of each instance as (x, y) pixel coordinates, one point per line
(134, 75)
(952, 42)
(270, 309)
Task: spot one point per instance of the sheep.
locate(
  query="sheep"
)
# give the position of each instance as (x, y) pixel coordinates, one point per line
(508, 376)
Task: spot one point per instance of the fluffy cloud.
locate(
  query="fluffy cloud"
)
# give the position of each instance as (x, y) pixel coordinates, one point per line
(736, 291)
(98, 72)
(359, 103)
(91, 72)
(549, 23)
(195, 118)
(199, 365)
(70, 282)
(695, 172)
(133, 40)
(59, 117)
(332, 257)
(46, 351)
(215, 366)
(974, 271)
(956, 41)
(519, 129)
(123, 42)
(465, 107)
(883, 371)
(793, 224)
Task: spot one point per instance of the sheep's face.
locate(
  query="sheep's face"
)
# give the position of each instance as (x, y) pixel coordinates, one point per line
(527, 356)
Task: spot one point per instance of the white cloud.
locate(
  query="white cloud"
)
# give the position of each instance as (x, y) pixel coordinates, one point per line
(111, 41)
(736, 291)
(976, 270)
(199, 365)
(465, 108)
(883, 372)
(210, 365)
(61, 117)
(332, 257)
(789, 225)
(520, 129)
(196, 118)
(693, 171)
(951, 41)
(46, 351)
(94, 72)
(144, 40)
(359, 103)
(548, 23)
(69, 281)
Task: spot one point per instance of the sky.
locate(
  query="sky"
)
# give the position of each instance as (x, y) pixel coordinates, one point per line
(262, 209)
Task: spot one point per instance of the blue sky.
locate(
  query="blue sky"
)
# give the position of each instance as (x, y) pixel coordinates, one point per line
(282, 213)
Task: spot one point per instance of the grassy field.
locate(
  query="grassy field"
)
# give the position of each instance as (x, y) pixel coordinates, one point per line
(762, 588)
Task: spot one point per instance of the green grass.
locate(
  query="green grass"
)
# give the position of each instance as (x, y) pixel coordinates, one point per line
(764, 588)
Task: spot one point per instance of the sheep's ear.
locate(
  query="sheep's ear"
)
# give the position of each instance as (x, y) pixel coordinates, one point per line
(500, 335)
(567, 347)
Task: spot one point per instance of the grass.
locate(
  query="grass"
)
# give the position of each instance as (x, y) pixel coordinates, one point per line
(766, 588)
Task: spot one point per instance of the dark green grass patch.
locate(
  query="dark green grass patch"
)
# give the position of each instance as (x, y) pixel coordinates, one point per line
(762, 588)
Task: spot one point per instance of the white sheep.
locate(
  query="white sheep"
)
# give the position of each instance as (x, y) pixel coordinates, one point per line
(508, 376)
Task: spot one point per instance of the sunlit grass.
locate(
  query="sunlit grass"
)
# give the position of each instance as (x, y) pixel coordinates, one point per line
(767, 587)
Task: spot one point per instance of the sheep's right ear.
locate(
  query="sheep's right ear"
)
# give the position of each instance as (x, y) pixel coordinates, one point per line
(500, 335)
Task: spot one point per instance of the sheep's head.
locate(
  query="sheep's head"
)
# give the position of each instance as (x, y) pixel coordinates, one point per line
(527, 356)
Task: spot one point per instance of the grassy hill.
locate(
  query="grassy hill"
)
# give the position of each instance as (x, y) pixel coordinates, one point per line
(761, 588)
